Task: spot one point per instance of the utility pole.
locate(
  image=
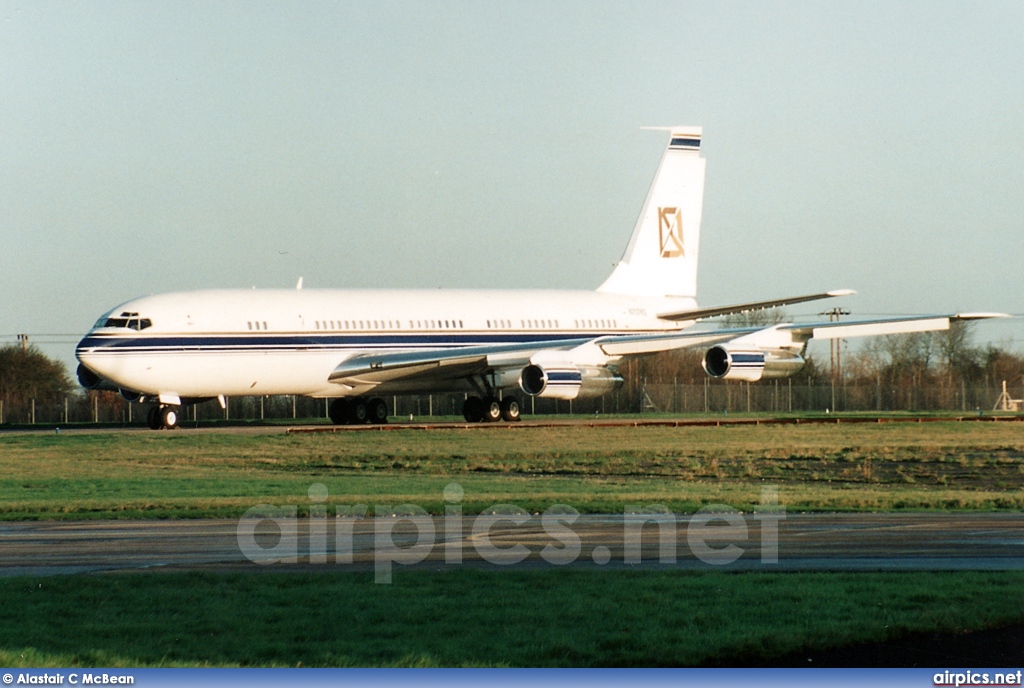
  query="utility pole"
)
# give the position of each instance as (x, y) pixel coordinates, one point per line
(835, 345)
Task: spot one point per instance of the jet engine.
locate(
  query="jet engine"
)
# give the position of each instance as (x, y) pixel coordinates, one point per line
(129, 395)
(750, 365)
(91, 380)
(568, 381)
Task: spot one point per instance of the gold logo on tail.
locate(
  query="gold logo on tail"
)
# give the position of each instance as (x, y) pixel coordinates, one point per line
(670, 231)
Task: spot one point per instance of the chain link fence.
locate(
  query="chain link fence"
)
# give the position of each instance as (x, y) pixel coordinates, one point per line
(714, 396)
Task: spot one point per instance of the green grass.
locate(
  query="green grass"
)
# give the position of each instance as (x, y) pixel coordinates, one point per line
(559, 617)
(222, 473)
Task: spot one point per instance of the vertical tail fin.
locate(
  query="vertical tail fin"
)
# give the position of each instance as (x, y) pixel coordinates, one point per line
(661, 258)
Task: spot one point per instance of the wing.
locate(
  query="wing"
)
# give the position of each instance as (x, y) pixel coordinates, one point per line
(701, 313)
(868, 328)
(365, 371)
(441, 364)
(372, 369)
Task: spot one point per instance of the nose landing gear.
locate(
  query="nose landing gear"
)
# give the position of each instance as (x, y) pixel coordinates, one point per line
(160, 417)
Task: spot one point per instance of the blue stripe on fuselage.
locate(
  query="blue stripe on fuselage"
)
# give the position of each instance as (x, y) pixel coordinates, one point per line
(307, 341)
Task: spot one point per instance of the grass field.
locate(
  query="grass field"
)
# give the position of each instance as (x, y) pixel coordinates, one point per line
(473, 617)
(969, 466)
(542, 617)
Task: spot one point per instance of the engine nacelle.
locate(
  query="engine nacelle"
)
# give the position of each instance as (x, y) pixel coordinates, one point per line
(567, 381)
(91, 380)
(129, 395)
(750, 365)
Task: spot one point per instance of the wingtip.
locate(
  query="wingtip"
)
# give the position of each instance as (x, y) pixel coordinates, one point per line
(842, 292)
(981, 316)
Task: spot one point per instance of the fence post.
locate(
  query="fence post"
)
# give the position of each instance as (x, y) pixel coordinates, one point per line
(95, 408)
(262, 397)
(33, 410)
(294, 409)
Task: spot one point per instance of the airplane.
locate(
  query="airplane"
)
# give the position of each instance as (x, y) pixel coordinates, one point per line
(355, 346)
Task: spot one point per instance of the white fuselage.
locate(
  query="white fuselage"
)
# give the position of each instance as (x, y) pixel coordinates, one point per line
(260, 342)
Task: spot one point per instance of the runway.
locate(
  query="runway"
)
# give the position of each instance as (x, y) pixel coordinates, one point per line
(804, 542)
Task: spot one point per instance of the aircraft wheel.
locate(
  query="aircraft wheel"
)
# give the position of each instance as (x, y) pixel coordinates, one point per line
(377, 411)
(340, 411)
(153, 418)
(492, 409)
(510, 409)
(360, 412)
(473, 410)
(169, 417)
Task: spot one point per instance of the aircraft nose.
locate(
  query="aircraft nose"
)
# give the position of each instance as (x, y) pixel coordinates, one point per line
(84, 348)
(86, 353)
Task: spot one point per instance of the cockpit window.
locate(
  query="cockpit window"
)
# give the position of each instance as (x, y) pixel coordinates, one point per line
(131, 323)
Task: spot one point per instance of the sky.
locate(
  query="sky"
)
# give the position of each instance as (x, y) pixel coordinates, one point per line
(163, 146)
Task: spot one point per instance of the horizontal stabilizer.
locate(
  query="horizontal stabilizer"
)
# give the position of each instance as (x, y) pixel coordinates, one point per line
(701, 313)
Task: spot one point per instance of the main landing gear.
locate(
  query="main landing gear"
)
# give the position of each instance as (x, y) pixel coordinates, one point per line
(357, 411)
(161, 417)
(490, 409)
